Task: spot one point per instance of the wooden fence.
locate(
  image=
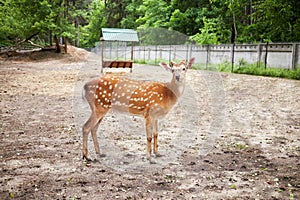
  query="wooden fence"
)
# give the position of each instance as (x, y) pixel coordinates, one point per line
(276, 55)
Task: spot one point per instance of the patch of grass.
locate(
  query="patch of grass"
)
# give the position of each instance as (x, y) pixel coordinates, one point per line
(150, 62)
(209, 67)
(242, 68)
(253, 69)
(241, 146)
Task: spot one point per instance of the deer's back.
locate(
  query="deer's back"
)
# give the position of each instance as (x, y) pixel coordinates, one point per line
(133, 96)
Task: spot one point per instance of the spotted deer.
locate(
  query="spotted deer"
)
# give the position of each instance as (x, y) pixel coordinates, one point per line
(151, 100)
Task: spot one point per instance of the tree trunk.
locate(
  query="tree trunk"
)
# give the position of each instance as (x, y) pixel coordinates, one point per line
(58, 50)
(27, 39)
(50, 38)
(66, 44)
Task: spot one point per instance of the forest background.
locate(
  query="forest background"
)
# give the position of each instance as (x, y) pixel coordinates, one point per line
(46, 22)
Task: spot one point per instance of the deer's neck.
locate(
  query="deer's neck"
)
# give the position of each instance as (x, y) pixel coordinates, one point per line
(176, 87)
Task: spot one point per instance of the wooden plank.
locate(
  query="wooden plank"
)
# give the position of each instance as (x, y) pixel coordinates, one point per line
(118, 64)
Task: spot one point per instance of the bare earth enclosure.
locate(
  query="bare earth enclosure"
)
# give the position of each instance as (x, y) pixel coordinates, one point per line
(229, 137)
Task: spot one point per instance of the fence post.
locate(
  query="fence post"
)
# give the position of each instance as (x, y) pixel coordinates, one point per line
(207, 56)
(266, 55)
(294, 53)
(232, 56)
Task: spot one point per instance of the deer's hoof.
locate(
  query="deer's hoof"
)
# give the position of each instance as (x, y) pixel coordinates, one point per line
(85, 158)
(158, 155)
(102, 155)
(99, 156)
(152, 162)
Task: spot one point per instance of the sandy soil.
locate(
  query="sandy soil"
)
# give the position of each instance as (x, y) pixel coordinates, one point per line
(230, 136)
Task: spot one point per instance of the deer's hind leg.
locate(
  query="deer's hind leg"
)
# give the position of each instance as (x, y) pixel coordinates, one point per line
(155, 148)
(95, 139)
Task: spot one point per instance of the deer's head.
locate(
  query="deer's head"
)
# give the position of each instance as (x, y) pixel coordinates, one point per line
(178, 69)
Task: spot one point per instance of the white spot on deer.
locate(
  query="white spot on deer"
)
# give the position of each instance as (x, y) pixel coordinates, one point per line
(110, 87)
(105, 83)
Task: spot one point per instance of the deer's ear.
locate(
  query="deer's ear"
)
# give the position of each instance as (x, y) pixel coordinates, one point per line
(166, 66)
(191, 62)
(172, 63)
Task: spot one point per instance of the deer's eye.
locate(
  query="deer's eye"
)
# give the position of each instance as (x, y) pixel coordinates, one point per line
(183, 69)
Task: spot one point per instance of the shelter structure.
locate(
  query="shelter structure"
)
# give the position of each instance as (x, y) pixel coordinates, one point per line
(114, 51)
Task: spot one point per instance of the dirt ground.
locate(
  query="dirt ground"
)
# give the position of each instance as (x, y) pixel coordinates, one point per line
(230, 136)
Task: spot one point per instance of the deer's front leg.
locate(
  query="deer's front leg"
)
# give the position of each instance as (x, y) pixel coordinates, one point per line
(149, 132)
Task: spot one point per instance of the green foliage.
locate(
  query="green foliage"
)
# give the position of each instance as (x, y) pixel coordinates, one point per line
(206, 21)
(211, 33)
(21, 20)
(156, 13)
(91, 32)
(253, 69)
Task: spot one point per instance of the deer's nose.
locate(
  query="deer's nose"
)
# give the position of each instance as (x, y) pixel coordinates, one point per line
(177, 77)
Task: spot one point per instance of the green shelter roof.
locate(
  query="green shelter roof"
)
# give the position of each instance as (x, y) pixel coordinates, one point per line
(115, 34)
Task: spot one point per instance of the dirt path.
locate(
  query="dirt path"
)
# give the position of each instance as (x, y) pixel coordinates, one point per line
(230, 137)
